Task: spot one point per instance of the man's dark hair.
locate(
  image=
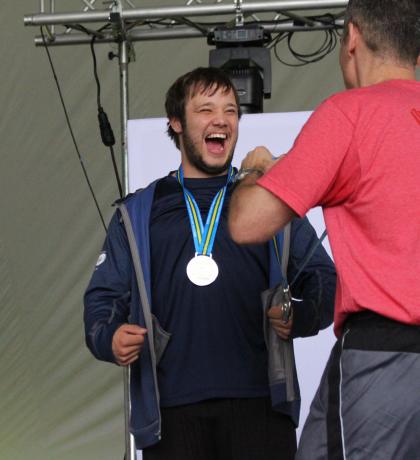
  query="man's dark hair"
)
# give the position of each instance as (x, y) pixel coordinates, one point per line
(201, 79)
(389, 27)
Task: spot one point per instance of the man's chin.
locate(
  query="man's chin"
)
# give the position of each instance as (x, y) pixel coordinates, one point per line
(207, 163)
(211, 165)
(213, 169)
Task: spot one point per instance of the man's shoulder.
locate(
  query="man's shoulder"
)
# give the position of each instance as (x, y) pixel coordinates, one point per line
(349, 104)
(369, 105)
(140, 193)
(346, 99)
(375, 93)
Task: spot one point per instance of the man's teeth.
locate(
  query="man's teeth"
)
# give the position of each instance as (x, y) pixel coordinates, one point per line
(217, 136)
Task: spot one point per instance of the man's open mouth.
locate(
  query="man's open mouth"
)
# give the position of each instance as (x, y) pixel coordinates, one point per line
(216, 142)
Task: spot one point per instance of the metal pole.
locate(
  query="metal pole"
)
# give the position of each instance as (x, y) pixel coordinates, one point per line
(123, 63)
(52, 10)
(185, 11)
(130, 445)
(175, 32)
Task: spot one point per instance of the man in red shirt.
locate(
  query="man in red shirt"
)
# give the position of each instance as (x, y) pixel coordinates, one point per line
(358, 157)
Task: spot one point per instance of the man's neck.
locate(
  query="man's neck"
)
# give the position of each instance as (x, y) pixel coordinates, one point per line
(191, 172)
(376, 70)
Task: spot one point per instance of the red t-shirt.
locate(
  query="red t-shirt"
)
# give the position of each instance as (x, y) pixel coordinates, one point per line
(358, 157)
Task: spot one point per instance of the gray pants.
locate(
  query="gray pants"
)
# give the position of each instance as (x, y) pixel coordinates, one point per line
(367, 406)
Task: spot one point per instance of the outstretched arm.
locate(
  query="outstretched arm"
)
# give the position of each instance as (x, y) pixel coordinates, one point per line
(255, 214)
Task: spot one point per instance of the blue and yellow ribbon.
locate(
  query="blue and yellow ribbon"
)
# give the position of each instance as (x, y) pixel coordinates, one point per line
(204, 235)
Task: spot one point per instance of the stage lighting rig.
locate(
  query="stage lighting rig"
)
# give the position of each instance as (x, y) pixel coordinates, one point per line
(241, 52)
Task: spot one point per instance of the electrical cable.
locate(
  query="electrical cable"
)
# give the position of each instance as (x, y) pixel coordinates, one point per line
(71, 129)
(107, 134)
(204, 30)
(327, 47)
(105, 128)
(329, 43)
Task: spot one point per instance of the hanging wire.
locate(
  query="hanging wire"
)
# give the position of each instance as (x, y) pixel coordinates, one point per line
(71, 129)
(331, 38)
(105, 128)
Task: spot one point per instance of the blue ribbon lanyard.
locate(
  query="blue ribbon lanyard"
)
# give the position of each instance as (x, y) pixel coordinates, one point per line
(204, 235)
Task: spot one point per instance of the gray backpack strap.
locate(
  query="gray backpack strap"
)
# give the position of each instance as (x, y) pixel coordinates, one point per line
(281, 294)
(309, 255)
(145, 305)
(139, 276)
(281, 362)
(285, 250)
(158, 338)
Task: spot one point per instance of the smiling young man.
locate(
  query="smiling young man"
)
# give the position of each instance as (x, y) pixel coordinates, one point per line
(208, 141)
(199, 376)
(358, 157)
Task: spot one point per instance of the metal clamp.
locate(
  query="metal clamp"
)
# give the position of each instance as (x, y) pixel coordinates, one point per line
(239, 16)
(286, 306)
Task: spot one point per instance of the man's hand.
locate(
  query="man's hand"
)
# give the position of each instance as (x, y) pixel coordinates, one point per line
(256, 214)
(259, 158)
(282, 329)
(127, 343)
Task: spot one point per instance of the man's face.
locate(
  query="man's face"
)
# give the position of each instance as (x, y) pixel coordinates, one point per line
(209, 134)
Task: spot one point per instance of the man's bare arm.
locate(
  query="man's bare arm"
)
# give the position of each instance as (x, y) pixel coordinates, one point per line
(255, 214)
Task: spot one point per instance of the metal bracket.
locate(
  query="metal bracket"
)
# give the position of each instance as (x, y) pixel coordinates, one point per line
(119, 30)
(286, 306)
(239, 16)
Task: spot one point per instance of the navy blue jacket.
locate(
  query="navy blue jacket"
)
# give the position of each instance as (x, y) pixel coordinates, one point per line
(113, 298)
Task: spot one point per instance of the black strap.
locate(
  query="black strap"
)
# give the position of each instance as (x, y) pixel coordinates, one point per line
(308, 256)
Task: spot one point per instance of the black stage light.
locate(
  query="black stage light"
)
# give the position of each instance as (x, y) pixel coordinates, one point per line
(240, 52)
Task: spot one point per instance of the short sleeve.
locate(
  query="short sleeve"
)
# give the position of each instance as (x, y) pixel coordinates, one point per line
(322, 167)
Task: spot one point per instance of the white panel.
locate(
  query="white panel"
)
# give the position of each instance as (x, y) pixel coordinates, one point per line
(152, 154)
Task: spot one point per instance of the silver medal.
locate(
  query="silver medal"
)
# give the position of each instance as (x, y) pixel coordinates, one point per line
(202, 270)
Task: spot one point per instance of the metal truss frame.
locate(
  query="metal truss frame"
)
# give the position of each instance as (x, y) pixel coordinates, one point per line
(162, 23)
(122, 23)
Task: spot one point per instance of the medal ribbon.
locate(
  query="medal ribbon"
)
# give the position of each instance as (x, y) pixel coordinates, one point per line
(204, 235)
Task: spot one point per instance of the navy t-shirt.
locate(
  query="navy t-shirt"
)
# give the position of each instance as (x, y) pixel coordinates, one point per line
(217, 347)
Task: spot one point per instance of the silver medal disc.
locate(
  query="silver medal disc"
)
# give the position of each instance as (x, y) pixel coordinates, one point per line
(202, 270)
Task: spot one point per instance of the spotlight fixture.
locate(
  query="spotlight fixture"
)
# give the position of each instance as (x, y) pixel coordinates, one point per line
(241, 53)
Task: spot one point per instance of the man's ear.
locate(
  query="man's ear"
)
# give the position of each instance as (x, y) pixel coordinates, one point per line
(176, 125)
(353, 37)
